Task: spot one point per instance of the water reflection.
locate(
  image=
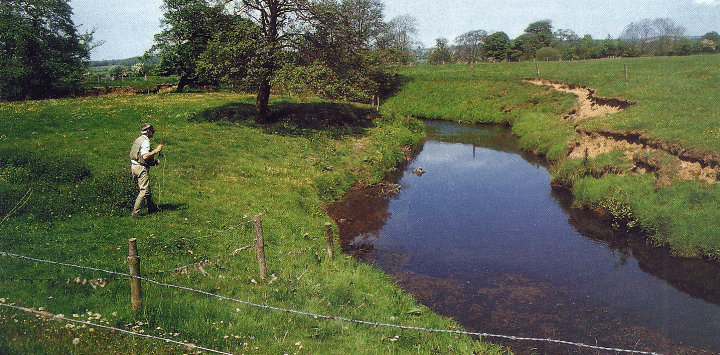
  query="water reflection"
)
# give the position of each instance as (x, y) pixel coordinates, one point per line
(481, 237)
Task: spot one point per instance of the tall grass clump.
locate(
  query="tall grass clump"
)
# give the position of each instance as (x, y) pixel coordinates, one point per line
(42, 186)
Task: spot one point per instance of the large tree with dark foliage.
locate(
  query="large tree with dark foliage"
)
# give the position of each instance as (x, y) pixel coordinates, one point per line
(275, 20)
(343, 47)
(41, 53)
(537, 35)
(497, 46)
(189, 26)
(230, 57)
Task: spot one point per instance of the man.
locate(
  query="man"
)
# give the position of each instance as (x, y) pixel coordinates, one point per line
(141, 159)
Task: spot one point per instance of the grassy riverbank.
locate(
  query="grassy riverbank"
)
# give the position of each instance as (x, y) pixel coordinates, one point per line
(660, 173)
(65, 196)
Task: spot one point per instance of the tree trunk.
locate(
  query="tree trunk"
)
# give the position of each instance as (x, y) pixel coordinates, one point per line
(262, 113)
(181, 85)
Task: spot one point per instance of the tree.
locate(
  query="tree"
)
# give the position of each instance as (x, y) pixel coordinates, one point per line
(588, 48)
(189, 26)
(537, 35)
(274, 19)
(497, 46)
(709, 42)
(470, 46)
(610, 48)
(348, 39)
(398, 39)
(522, 48)
(653, 36)
(344, 30)
(547, 54)
(229, 57)
(441, 53)
(41, 53)
(566, 42)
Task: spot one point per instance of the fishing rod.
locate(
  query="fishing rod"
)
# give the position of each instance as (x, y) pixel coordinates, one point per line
(162, 168)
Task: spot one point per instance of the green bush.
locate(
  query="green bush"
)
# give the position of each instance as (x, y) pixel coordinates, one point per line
(548, 54)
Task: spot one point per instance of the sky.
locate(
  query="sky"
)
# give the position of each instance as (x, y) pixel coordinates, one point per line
(127, 27)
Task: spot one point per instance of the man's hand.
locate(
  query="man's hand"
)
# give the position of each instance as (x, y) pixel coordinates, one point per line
(151, 154)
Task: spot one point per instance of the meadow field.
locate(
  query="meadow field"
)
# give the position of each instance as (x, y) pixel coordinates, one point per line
(660, 171)
(66, 194)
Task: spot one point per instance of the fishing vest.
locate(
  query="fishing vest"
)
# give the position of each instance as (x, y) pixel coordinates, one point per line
(135, 149)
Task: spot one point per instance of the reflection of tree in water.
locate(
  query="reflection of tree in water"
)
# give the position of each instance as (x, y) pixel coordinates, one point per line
(363, 212)
(695, 277)
(698, 278)
(360, 215)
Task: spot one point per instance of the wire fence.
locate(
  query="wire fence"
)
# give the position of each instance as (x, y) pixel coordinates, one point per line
(321, 316)
(59, 317)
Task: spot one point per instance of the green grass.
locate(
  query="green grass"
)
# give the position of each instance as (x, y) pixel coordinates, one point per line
(494, 94)
(674, 94)
(66, 194)
(676, 110)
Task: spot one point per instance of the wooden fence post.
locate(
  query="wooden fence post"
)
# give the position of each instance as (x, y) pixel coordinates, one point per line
(135, 289)
(329, 237)
(260, 246)
(537, 69)
(626, 73)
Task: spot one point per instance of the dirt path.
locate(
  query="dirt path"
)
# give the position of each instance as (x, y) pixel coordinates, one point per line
(647, 156)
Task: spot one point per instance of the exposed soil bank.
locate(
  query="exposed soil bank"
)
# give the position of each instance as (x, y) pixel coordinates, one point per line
(647, 155)
(589, 104)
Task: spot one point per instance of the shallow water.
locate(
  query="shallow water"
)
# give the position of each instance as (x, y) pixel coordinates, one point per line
(481, 237)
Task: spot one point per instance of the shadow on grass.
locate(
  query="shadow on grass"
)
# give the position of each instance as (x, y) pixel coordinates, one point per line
(298, 119)
(231, 113)
(394, 85)
(172, 206)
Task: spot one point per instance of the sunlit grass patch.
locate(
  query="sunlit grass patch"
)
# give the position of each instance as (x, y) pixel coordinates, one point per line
(218, 169)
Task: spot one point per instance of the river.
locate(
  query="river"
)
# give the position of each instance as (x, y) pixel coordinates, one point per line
(476, 233)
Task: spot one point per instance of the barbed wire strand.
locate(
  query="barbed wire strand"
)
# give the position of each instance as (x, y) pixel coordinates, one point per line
(58, 317)
(202, 263)
(349, 320)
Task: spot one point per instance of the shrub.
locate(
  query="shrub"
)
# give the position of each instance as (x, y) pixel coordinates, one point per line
(548, 54)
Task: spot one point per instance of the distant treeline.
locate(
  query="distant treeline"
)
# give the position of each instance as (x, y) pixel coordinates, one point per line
(128, 62)
(648, 37)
